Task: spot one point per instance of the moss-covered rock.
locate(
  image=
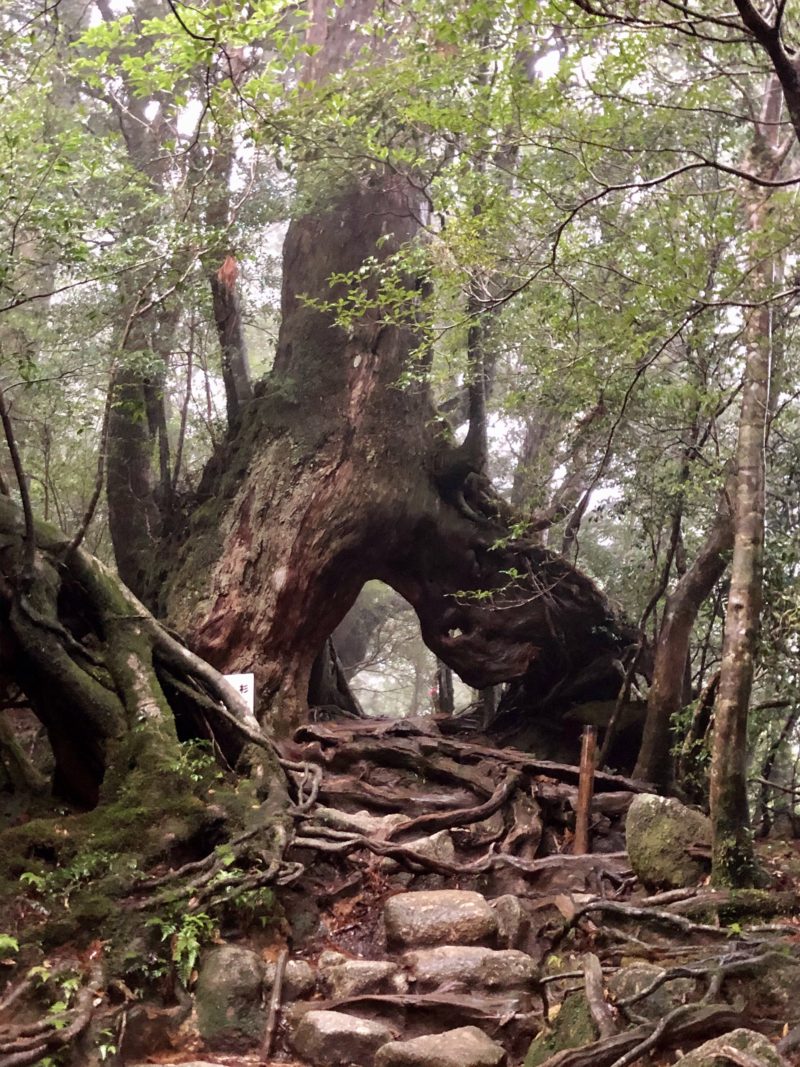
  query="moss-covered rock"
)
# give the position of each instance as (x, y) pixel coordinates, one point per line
(771, 992)
(660, 834)
(571, 1028)
(228, 999)
(629, 981)
(753, 1046)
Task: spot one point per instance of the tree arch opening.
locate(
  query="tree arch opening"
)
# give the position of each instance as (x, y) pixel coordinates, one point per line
(381, 658)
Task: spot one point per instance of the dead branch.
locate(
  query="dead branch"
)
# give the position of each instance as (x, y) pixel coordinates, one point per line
(669, 896)
(585, 790)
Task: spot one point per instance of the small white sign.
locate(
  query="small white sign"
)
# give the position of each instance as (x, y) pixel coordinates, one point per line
(244, 684)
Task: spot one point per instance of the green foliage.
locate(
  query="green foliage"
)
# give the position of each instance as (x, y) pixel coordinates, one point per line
(58, 885)
(106, 1045)
(196, 762)
(8, 944)
(186, 933)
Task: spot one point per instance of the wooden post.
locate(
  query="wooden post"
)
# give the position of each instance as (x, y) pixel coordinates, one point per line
(585, 789)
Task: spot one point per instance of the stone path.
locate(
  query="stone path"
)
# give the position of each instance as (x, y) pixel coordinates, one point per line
(428, 963)
(447, 994)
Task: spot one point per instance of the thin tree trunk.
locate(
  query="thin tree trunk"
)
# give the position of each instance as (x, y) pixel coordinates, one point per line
(230, 331)
(223, 273)
(764, 817)
(444, 686)
(666, 696)
(733, 860)
(134, 517)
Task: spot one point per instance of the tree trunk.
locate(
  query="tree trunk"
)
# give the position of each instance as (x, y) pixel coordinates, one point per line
(340, 476)
(764, 814)
(733, 861)
(223, 271)
(134, 516)
(109, 684)
(445, 701)
(666, 696)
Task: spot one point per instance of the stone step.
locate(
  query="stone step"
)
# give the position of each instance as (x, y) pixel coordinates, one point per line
(439, 917)
(334, 1039)
(469, 966)
(510, 1015)
(464, 1047)
(344, 977)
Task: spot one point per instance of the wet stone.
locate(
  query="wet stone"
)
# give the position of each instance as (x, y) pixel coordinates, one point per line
(751, 1046)
(512, 919)
(629, 981)
(343, 977)
(299, 979)
(660, 834)
(471, 966)
(438, 847)
(333, 1039)
(228, 998)
(466, 1047)
(439, 917)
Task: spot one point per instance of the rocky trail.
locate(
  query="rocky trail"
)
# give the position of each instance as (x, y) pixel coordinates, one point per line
(434, 915)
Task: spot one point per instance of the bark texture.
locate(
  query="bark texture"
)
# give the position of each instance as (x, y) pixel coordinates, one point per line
(339, 476)
(666, 695)
(340, 473)
(733, 858)
(223, 271)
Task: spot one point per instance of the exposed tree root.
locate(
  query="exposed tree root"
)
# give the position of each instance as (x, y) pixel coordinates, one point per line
(690, 1021)
(340, 746)
(274, 1005)
(717, 967)
(658, 917)
(28, 1043)
(599, 1007)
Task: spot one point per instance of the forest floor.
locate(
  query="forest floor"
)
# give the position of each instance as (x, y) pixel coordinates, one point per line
(438, 918)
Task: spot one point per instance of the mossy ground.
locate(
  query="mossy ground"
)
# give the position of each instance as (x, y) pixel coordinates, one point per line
(71, 877)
